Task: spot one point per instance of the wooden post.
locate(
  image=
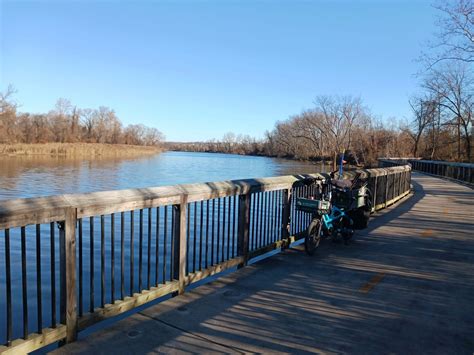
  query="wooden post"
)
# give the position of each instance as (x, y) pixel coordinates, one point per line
(285, 217)
(67, 264)
(179, 240)
(243, 228)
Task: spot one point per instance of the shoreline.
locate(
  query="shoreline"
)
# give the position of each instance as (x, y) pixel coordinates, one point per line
(312, 160)
(315, 161)
(79, 150)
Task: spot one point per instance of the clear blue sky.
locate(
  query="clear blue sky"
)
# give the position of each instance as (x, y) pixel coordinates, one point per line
(198, 69)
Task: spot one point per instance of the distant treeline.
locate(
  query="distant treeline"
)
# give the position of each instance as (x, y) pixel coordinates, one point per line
(436, 131)
(67, 123)
(333, 125)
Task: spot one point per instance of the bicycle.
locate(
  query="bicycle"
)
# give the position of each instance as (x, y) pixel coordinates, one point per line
(343, 206)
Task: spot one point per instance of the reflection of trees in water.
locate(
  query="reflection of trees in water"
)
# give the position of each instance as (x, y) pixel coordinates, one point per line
(289, 167)
(13, 169)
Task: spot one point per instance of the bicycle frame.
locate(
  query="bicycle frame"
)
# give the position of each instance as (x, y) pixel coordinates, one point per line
(330, 219)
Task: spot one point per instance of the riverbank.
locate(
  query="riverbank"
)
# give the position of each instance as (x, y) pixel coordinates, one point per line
(314, 160)
(78, 150)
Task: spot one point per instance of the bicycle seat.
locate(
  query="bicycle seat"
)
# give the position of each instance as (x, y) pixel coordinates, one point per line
(343, 184)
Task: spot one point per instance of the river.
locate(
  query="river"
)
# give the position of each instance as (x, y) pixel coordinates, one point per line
(26, 176)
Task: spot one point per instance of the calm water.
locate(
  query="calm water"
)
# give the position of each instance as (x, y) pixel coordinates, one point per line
(41, 176)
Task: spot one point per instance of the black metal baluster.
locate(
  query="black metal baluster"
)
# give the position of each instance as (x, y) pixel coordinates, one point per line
(303, 215)
(218, 229)
(39, 305)
(271, 216)
(24, 283)
(81, 278)
(157, 246)
(188, 236)
(297, 213)
(194, 236)
(224, 200)
(132, 251)
(8, 280)
(212, 231)
(149, 249)
(279, 208)
(265, 218)
(200, 234)
(300, 227)
(91, 262)
(102, 261)
(52, 276)
(207, 234)
(262, 235)
(172, 244)
(297, 192)
(268, 216)
(165, 242)
(228, 227)
(112, 258)
(140, 251)
(233, 226)
(274, 219)
(257, 220)
(122, 255)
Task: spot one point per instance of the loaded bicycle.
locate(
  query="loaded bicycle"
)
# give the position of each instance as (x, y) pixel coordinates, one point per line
(340, 207)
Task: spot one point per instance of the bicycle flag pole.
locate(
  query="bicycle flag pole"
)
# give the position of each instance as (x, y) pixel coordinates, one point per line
(341, 164)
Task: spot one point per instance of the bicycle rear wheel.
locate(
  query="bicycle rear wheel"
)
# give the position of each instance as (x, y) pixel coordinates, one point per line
(313, 236)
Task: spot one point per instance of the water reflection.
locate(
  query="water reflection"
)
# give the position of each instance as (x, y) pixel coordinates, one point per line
(41, 176)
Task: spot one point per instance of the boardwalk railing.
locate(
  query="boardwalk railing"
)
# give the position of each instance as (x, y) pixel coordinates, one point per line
(71, 261)
(455, 171)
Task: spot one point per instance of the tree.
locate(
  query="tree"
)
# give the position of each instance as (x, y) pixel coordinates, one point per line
(455, 39)
(453, 87)
(67, 123)
(8, 117)
(423, 111)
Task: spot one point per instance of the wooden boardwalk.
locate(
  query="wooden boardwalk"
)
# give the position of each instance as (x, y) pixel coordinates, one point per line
(405, 285)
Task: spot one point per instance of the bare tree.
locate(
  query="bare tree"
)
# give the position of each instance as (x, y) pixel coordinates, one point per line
(453, 87)
(423, 111)
(455, 39)
(67, 123)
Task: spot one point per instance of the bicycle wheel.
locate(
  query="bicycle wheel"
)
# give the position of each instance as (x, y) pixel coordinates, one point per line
(313, 236)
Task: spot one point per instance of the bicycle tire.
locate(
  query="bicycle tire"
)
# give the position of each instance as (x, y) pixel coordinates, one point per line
(313, 237)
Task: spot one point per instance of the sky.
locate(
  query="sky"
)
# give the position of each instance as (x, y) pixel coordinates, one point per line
(198, 69)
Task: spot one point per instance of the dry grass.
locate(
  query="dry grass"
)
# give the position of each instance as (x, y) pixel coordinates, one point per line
(82, 150)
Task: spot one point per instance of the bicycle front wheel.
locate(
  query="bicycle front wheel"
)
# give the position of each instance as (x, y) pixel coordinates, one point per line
(313, 236)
